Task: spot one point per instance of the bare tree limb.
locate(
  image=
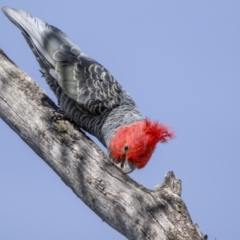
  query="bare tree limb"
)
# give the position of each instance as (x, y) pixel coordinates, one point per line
(128, 207)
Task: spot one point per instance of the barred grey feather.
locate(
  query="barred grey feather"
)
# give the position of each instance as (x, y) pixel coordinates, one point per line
(86, 91)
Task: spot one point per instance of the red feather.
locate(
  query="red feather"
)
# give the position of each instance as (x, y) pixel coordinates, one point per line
(141, 139)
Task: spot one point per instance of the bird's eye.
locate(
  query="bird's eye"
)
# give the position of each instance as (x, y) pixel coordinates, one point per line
(126, 148)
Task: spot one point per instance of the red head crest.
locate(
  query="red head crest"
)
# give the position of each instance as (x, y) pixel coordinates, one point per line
(136, 142)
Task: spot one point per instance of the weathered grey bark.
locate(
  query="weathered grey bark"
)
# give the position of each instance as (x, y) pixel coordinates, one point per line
(131, 209)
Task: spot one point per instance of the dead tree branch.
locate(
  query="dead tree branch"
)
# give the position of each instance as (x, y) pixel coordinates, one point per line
(131, 209)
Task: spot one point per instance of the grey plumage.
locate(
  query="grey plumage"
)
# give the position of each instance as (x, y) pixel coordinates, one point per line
(86, 91)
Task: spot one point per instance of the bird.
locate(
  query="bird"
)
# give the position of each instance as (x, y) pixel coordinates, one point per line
(90, 96)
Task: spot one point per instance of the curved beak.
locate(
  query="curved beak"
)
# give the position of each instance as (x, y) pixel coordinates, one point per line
(125, 166)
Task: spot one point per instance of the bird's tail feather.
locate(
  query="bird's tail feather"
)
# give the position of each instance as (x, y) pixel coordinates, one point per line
(43, 39)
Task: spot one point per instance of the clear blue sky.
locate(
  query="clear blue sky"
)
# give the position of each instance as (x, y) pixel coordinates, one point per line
(180, 61)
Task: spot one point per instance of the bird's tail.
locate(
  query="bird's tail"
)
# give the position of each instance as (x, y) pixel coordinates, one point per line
(43, 39)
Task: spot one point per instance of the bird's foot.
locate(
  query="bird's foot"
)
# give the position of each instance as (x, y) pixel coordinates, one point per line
(58, 121)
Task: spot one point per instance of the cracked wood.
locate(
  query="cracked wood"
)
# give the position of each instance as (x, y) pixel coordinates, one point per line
(128, 207)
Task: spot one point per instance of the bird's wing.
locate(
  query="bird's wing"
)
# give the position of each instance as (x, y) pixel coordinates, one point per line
(86, 81)
(80, 77)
